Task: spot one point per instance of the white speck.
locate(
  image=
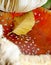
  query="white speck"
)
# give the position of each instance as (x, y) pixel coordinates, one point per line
(48, 51)
(24, 45)
(37, 21)
(33, 48)
(21, 39)
(35, 13)
(39, 14)
(35, 45)
(19, 42)
(33, 41)
(5, 24)
(30, 38)
(27, 37)
(28, 46)
(33, 51)
(22, 36)
(21, 46)
(26, 41)
(29, 53)
(11, 35)
(16, 42)
(38, 49)
(2, 20)
(11, 25)
(16, 37)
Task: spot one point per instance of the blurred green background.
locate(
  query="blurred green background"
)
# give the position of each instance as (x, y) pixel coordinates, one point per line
(48, 4)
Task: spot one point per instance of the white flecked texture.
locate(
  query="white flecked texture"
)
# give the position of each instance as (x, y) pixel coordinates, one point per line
(10, 55)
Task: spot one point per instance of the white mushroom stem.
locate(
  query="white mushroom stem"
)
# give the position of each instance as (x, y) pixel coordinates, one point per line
(21, 5)
(8, 51)
(1, 31)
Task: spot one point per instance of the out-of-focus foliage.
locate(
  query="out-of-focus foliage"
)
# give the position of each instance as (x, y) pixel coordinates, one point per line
(48, 4)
